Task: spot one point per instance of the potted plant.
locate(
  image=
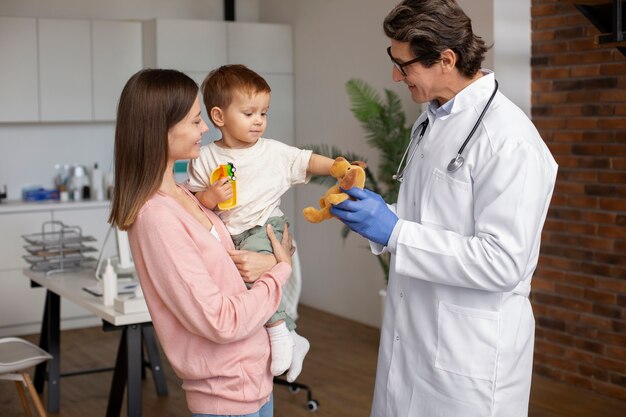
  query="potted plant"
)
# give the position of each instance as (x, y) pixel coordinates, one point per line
(384, 122)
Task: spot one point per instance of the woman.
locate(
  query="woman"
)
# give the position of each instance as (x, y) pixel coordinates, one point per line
(209, 325)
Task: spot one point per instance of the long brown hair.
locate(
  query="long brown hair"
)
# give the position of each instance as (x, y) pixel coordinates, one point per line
(152, 101)
(431, 27)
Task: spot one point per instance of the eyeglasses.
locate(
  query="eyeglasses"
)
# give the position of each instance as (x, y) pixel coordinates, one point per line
(400, 65)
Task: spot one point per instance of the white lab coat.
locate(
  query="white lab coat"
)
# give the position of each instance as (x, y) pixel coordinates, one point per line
(458, 329)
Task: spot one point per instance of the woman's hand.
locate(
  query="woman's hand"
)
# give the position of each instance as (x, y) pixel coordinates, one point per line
(252, 265)
(283, 249)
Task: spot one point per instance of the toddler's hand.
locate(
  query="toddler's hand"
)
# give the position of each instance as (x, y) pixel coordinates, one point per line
(221, 190)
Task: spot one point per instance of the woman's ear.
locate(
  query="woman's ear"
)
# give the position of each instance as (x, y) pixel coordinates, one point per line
(217, 116)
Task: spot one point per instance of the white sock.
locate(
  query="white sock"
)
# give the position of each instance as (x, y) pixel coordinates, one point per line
(282, 345)
(300, 350)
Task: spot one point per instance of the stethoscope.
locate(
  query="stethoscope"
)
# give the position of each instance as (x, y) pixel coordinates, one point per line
(456, 162)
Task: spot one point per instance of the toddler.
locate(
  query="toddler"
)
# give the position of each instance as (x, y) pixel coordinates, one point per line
(237, 100)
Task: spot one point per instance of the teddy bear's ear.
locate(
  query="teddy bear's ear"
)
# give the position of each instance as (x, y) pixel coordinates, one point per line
(340, 159)
(348, 180)
(360, 163)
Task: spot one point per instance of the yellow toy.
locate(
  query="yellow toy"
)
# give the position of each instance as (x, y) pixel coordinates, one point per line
(226, 171)
(348, 175)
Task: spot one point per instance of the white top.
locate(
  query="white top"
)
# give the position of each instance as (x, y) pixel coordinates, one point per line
(458, 329)
(264, 172)
(215, 233)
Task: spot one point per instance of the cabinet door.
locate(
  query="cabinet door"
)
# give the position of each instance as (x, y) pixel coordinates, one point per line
(213, 133)
(280, 125)
(65, 69)
(21, 304)
(185, 45)
(13, 227)
(18, 70)
(264, 47)
(117, 52)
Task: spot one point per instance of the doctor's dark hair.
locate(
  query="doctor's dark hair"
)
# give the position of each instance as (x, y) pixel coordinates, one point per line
(220, 85)
(431, 27)
(152, 102)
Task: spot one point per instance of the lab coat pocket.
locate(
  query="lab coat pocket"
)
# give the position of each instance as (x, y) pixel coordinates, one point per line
(448, 203)
(467, 342)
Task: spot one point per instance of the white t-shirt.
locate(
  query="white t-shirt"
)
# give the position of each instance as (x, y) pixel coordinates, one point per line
(264, 172)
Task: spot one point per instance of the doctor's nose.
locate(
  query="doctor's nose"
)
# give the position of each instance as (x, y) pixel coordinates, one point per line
(396, 75)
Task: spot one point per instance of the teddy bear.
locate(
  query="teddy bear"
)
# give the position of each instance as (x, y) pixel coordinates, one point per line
(348, 175)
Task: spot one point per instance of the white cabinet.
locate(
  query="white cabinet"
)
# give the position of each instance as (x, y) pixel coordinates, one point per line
(68, 70)
(21, 307)
(280, 121)
(13, 226)
(202, 45)
(65, 69)
(18, 70)
(185, 45)
(264, 47)
(117, 54)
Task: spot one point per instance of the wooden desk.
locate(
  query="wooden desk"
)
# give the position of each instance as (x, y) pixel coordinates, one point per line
(136, 327)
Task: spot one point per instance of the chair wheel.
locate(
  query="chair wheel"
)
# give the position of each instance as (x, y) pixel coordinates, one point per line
(294, 390)
(312, 405)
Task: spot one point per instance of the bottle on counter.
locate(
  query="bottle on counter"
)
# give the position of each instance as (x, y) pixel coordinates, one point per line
(97, 184)
(109, 284)
(77, 182)
(109, 183)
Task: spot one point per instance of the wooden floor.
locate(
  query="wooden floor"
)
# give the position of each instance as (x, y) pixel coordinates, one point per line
(340, 369)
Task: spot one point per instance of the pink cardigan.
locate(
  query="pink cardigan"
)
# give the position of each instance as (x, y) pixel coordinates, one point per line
(209, 325)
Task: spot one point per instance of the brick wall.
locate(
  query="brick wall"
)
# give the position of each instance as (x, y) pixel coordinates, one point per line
(579, 290)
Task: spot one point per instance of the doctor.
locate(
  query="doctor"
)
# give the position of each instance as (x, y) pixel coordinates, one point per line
(458, 329)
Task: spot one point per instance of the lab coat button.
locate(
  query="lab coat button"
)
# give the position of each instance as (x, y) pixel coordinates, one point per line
(401, 294)
(397, 338)
(422, 156)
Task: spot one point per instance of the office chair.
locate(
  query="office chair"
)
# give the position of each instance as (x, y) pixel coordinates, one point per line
(291, 297)
(16, 355)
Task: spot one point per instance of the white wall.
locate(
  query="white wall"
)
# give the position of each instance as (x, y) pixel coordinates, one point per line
(335, 40)
(512, 34)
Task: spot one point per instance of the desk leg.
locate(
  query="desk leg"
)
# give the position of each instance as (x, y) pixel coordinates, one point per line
(50, 340)
(127, 373)
(155, 360)
(40, 370)
(133, 363)
(118, 382)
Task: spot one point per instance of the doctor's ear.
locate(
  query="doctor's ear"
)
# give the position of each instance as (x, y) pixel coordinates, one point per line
(217, 116)
(448, 60)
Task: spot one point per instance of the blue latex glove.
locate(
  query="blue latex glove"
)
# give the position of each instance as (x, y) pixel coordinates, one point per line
(368, 215)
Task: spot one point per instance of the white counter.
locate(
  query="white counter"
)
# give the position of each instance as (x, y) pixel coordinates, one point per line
(19, 206)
